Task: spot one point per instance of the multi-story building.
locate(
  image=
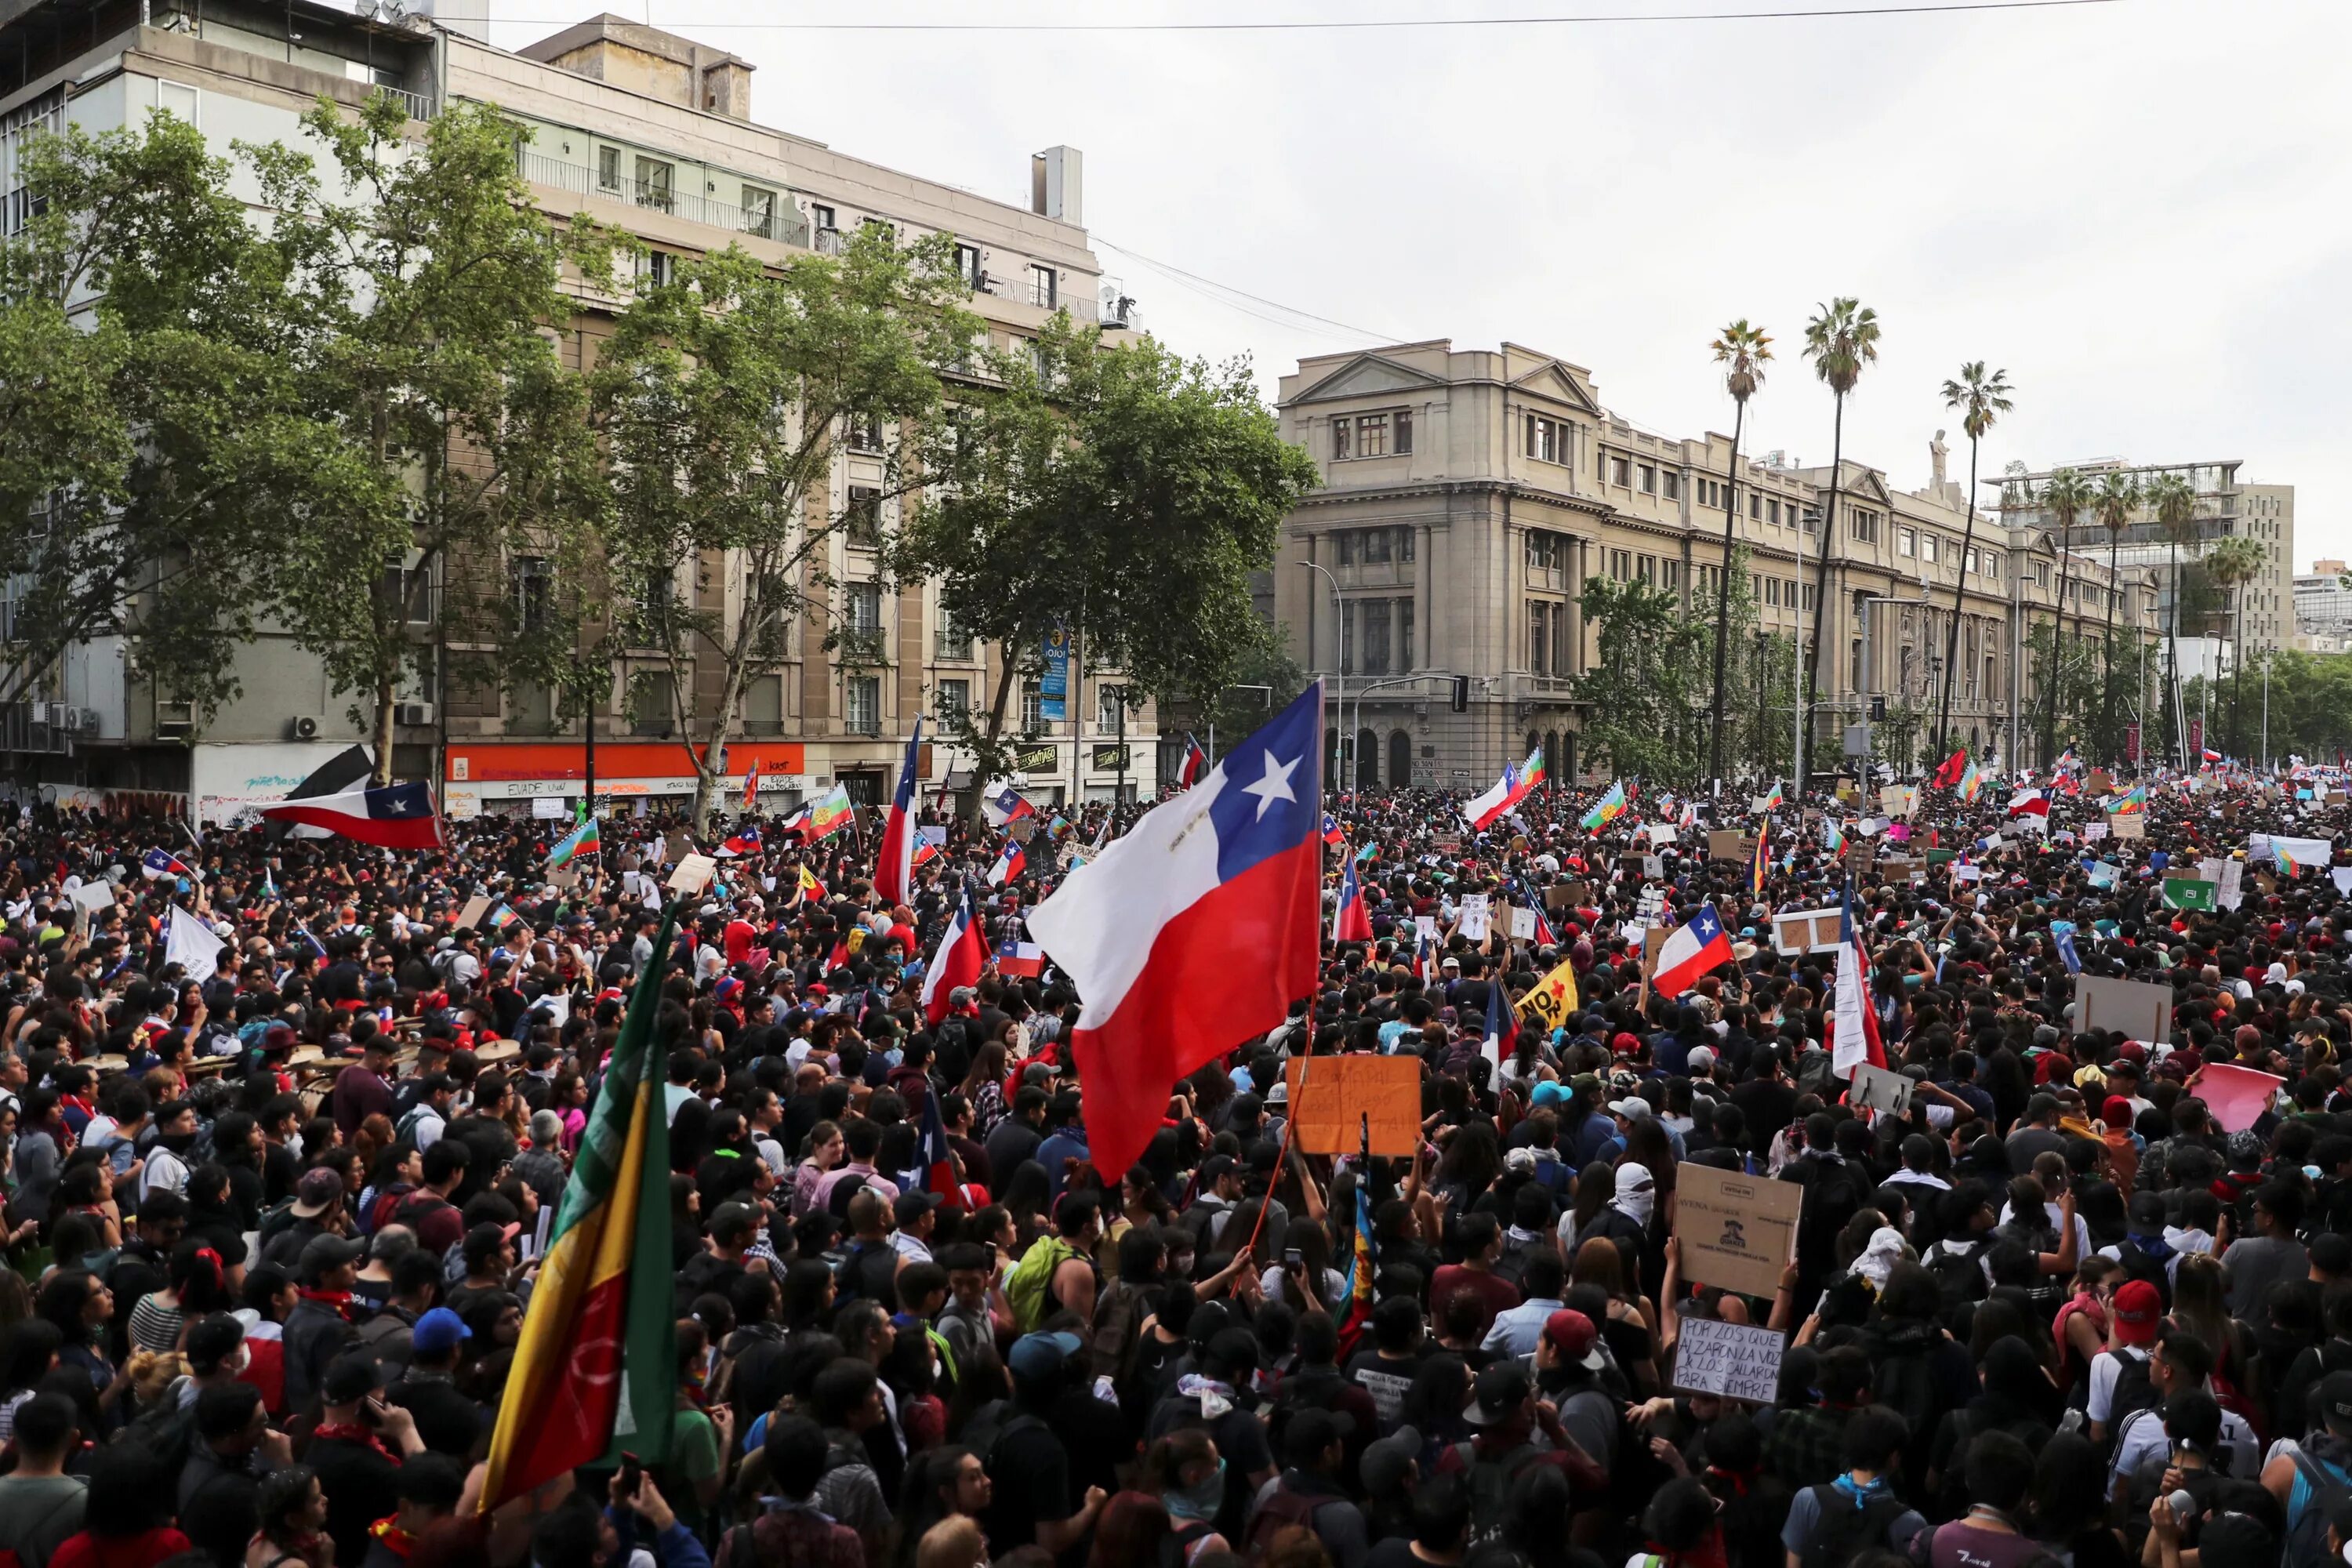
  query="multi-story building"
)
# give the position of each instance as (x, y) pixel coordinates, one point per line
(650, 133)
(2226, 506)
(2323, 608)
(1468, 494)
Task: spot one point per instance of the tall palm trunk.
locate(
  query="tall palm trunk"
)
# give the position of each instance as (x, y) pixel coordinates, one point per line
(2107, 657)
(2057, 662)
(2172, 650)
(1723, 588)
(1808, 682)
(1959, 587)
(2237, 668)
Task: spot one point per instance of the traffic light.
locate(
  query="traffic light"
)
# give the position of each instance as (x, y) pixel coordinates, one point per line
(1461, 702)
(1878, 710)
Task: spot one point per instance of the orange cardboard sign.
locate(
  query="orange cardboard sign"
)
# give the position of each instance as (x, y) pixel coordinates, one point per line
(1332, 1098)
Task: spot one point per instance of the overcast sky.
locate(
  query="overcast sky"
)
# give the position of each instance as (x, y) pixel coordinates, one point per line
(2139, 209)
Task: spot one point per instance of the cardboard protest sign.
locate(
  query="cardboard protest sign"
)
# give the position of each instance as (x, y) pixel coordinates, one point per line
(1654, 866)
(676, 846)
(2101, 782)
(1523, 925)
(2235, 1097)
(1900, 800)
(1731, 1361)
(93, 896)
(2141, 1011)
(1806, 931)
(2128, 825)
(2231, 884)
(475, 908)
(1876, 1089)
(1332, 1097)
(1548, 1005)
(1736, 1231)
(1728, 844)
(1565, 896)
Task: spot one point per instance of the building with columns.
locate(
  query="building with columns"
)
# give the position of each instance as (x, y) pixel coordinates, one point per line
(1468, 494)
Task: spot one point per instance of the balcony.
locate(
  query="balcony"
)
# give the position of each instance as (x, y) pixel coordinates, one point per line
(779, 221)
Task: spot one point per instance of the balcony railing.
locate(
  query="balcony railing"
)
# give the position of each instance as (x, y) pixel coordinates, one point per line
(779, 221)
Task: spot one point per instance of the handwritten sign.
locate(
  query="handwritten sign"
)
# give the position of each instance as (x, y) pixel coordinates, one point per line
(2127, 824)
(1731, 1361)
(1900, 800)
(1331, 1097)
(1474, 916)
(1876, 1089)
(1807, 931)
(1547, 1004)
(1738, 1232)
(1523, 925)
(1728, 844)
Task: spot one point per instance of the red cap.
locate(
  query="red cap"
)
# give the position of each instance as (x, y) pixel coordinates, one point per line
(2138, 1309)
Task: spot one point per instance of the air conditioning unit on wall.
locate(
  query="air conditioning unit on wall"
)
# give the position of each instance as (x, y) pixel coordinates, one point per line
(414, 713)
(304, 728)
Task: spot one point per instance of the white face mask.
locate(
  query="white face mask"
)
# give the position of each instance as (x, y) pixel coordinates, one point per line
(1637, 1205)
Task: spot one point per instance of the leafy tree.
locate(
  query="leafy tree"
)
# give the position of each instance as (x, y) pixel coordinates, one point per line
(2172, 501)
(427, 282)
(2066, 496)
(1979, 397)
(1121, 490)
(1841, 339)
(724, 398)
(1743, 352)
(2231, 563)
(154, 451)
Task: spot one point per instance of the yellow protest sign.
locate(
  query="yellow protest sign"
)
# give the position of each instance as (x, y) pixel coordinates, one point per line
(1553, 998)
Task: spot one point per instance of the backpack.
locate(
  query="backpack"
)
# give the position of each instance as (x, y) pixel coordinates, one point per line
(2307, 1524)
(742, 1550)
(2046, 1291)
(1842, 1532)
(2133, 1392)
(1904, 1384)
(1029, 1286)
(1959, 1276)
(1277, 1511)
(843, 1193)
(1490, 1491)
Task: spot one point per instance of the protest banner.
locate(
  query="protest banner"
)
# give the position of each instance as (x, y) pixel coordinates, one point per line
(1547, 1005)
(1730, 1360)
(2235, 1097)
(1331, 1104)
(2138, 1010)
(2127, 824)
(1736, 1231)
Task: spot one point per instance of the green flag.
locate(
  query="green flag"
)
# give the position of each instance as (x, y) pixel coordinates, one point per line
(2188, 893)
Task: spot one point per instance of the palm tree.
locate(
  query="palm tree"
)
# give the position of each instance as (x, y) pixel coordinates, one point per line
(1839, 340)
(2115, 499)
(2233, 564)
(2173, 502)
(2066, 496)
(1978, 398)
(1742, 351)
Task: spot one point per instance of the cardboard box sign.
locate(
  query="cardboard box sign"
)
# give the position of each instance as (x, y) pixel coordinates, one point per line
(1729, 844)
(2100, 783)
(1331, 1098)
(2128, 825)
(475, 908)
(1807, 931)
(1876, 1089)
(1730, 1360)
(1736, 1231)
(1562, 896)
(2141, 1011)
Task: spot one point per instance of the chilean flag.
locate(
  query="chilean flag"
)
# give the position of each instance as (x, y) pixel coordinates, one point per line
(2210, 754)
(1002, 803)
(1506, 792)
(1195, 764)
(1195, 931)
(744, 843)
(935, 1159)
(163, 863)
(795, 824)
(1021, 959)
(1350, 921)
(1331, 834)
(2029, 802)
(957, 962)
(1685, 957)
(1502, 1029)
(396, 817)
(1853, 1023)
(1009, 863)
(894, 863)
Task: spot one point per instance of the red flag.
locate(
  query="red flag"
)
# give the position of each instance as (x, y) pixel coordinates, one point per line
(1953, 766)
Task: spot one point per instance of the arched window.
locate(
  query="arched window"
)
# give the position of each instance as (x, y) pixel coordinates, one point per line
(1551, 752)
(1400, 758)
(1367, 760)
(1331, 779)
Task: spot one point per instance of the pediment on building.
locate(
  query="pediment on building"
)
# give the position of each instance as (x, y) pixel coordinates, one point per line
(1552, 379)
(1369, 375)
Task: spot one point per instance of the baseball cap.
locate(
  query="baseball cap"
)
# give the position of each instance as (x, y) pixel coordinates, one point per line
(438, 1330)
(1633, 1108)
(2138, 1309)
(322, 1253)
(316, 1191)
(1499, 1393)
(1572, 1334)
(2333, 1400)
(736, 1219)
(2147, 1211)
(1386, 1463)
(1036, 1357)
(351, 1378)
(913, 1204)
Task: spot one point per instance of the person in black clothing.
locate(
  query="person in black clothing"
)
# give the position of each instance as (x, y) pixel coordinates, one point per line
(1026, 1459)
(234, 1446)
(446, 1421)
(1016, 1138)
(357, 1449)
(141, 1266)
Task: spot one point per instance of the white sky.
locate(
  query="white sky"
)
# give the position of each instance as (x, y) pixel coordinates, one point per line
(2141, 210)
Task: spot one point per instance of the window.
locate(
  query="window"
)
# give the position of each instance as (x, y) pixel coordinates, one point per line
(1927, 548)
(655, 183)
(1041, 287)
(1110, 706)
(1375, 638)
(1772, 591)
(1539, 636)
(1376, 544)
(759, 212)
(1670, 574)
(1371, 436)
(1648, 479)
(1547, 440)
(655, 267)
(608, 168)
(531, 585)
(862, 521)
(1546, 552)
(1671, 484)
(1404, 632)
(1864, 525)
(182, 102)
(1808, 596)
(1404, 542)
(651, 708)
(1343, 436)
(1347, 636)
(968, 269)
(1033, 710)
(862, 432)
(1621, 564)
(1404, 419)
(1972, 560)
(1907, 543)
(1772, 511)
(1755, 506)
(1621, 473)
(1992, 564)
(763, 705)
(1645, 568)
(1813, 518)
(862, 704)
(823, 216)
(951, 641)
(865, 604)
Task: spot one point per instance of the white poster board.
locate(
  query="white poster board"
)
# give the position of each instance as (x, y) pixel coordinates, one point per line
(1474, 916)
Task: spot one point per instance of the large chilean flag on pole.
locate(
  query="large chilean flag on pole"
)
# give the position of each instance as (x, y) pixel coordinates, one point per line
(396, 817)
(1195, 930)
(894, 864)
(1854, 1022)
(597, 1368)
(1693, 949)
(957, 962)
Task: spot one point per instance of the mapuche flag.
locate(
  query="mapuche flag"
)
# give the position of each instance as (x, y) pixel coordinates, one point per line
(597, 1368)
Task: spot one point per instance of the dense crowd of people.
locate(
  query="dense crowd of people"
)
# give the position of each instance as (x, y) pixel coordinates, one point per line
(272, 1229)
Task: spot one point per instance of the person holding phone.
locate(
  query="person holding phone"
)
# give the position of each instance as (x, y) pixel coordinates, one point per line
(357, 1449)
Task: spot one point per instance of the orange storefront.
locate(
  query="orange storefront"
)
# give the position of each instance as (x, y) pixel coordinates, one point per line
(506, 778)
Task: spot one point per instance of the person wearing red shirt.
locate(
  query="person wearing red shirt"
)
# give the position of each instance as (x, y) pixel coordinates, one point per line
(127, 1517)
(1482, 1244)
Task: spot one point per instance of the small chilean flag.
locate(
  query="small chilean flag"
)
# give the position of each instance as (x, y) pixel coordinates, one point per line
(1009, 865)
(744, 843)
(1350, 921)
(894, 863)
(1331, 834)
(1195, 764)
(2029, 802)
(1686, 957)
(2212, 755)
(937, 1160)
(1021, 959)
(751, 786)
(956, 963)
(163, 863)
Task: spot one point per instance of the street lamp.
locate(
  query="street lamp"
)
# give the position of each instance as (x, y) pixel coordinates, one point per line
(1338, 676)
